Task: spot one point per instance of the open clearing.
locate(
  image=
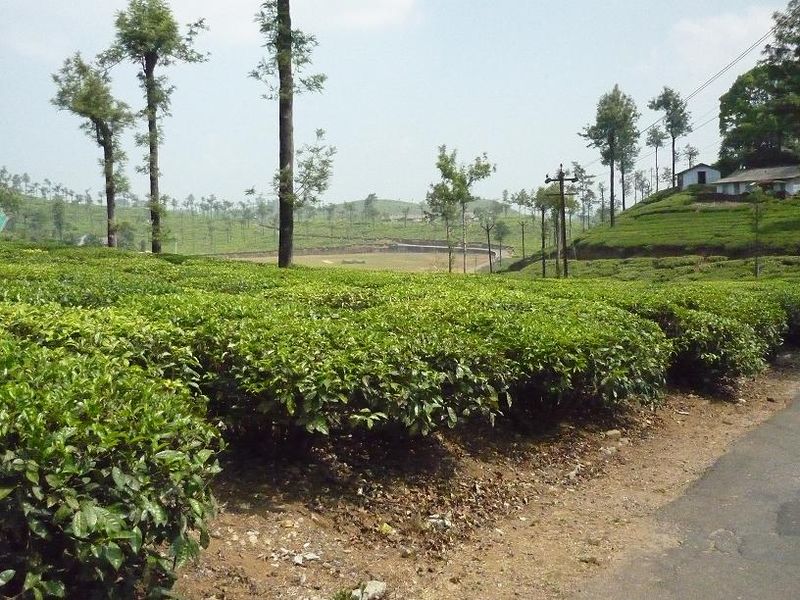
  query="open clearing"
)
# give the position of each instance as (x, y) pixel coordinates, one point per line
(410, 262)
(528, 517)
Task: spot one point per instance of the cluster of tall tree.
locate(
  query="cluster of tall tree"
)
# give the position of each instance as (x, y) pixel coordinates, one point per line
(148, 35)
(760, 114)
(616, 135)
(448, 198)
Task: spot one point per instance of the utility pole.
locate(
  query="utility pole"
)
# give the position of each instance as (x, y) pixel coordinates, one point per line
(544, 243)
(522, 224)
(561, 178)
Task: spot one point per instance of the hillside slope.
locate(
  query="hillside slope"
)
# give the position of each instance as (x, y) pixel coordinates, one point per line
(689, 223)
(199, 232)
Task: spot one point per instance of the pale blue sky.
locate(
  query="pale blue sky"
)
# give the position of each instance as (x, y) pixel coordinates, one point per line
(514, 78)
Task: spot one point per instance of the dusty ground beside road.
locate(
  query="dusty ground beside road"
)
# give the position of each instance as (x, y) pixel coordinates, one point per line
(472, 515)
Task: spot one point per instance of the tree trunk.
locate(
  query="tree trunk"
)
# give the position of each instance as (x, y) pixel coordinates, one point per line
(464, 235)
(673, 161)
(111, 187)
(489, 243)
(613, 150)
(611, 197)
(622, 175)
(544, 243)
(286, 135)
(448, 234)
(151, 88)
(656, 169)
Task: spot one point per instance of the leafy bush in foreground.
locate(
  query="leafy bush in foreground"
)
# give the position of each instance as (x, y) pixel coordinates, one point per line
(104, 475)
(108, 360)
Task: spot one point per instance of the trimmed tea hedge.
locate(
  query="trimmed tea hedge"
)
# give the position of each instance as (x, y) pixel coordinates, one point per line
(104, 475)
(115, 364)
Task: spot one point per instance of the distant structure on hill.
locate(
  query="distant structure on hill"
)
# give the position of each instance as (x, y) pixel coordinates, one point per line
(701, 174)
(782, 181)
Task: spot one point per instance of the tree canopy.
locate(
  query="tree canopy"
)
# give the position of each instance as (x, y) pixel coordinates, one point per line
(85, 90)
(614, 132)
(760, 114)
(677, 119)
(148, 36)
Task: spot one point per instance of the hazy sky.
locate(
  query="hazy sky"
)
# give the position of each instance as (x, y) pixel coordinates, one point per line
(514, 78)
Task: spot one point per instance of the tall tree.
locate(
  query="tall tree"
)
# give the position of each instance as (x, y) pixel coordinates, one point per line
(148, 36)
(666, 175)
(288, 54)
(613, 128)
(639, 182)
(487, 221)
(782, 60)
(655, 140)
(756, 131)
(370, 210)
(628, 152)
(544, 200)
(690, 153)
(583, 190)
(459, 179)
(85, 90)
(522, 199)
(501, 231)
(443, 204)
(676, 115)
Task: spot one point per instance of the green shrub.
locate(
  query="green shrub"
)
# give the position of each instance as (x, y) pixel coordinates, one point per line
(711, 350)
(104, 475)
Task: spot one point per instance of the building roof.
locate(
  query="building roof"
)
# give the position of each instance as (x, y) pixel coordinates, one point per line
(698, 166)
(762, 175)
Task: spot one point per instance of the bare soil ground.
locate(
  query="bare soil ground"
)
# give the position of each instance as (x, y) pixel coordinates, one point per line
(480, 514)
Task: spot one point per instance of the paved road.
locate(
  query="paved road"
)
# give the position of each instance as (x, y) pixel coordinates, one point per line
(739, 528)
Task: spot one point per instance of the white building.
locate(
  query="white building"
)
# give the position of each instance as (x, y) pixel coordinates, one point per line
(701, 174)
(778, 180)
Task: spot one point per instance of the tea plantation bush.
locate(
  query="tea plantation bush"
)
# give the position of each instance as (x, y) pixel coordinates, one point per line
(115, 364)
(104, 475)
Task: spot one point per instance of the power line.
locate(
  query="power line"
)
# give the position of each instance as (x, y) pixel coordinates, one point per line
(711, 120)
(712, 79)
(731, 64)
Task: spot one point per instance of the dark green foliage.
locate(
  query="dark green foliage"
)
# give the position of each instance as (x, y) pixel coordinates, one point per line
(103, 474)
(113, 359)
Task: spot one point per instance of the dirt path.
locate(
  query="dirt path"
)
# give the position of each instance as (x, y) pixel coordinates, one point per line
(516, 517)
(737, 528)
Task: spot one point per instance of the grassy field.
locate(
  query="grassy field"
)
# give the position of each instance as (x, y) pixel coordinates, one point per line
(677, 268)
(683, 224)
(201, 234)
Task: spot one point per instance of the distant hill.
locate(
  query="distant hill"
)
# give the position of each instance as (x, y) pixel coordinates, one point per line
(384, 206)
(395, 208)
(236, 232)
(694, 222)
